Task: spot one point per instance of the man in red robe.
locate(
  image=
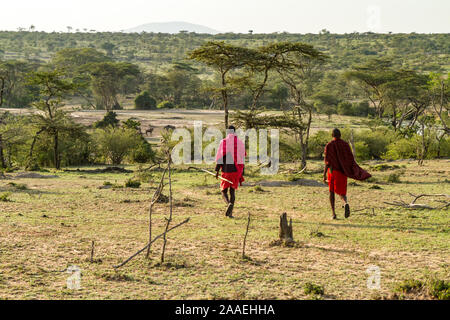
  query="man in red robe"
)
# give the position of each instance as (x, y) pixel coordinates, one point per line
(340, 164)
(230, 159)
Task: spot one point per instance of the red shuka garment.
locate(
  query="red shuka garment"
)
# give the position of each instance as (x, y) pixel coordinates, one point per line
(339, 156)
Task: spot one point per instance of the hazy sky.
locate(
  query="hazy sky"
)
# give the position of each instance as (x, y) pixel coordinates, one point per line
(296, 16)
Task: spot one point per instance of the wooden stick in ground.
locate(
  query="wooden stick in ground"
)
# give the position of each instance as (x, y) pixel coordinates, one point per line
(155, 198)
(92, 251)
(148, 244)
(170, 212)
(245, 237)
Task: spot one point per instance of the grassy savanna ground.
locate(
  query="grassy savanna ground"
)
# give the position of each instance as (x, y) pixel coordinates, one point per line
(49, 224)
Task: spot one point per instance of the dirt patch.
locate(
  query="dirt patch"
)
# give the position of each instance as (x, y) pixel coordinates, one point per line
(105, 170)
(34, 175)
(299, 182)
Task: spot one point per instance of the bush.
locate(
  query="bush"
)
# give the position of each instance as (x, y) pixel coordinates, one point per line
(315, 289)
(376, 140)
(115, 144)
(394, 177)
(361, 109)
(362, 151)
(132, 183)
(144, 101)
(110, 119)
(4, 197)
(165, 105)
(317, 144)
(143, 153)
(345, 108)
(402, 149)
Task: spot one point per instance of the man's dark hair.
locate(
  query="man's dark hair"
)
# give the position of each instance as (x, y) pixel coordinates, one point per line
(232, 128)
(336, 133)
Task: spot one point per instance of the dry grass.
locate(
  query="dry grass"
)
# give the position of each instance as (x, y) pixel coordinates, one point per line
(51, 224)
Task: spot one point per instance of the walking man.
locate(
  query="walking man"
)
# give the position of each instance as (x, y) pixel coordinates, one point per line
(230, 159)
(340, 164)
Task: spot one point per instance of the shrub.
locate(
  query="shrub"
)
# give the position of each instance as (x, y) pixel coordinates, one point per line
(132, 183)
(361, 109)
(110, 119)
(4, 197)
(345, 108)
(408, 286)
(402, 149)
(439, 289)
(362, 151)
(317, 144)
(144, 101)
(311, 288)
(115, 144)
(394, 177)
(165, 105)
(376, 140)
(143, 153)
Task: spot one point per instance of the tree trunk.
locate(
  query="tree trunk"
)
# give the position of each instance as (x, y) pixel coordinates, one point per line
(225, 100)
(30, 155)
(2, 157)
(286, 229)
(55, 150)
(352, 143)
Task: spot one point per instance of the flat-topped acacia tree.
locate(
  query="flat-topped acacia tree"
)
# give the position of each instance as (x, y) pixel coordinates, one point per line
(223, 58)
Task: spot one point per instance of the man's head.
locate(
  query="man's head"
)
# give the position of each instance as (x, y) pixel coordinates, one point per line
(336, 133)
(231, 129)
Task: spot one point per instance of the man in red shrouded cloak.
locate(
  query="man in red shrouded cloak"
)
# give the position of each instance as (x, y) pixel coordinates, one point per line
(340, 164)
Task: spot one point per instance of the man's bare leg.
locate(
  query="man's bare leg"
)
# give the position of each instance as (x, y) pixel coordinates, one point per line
(332, 202)
(225, 196)
(343, 198)
(229, 212)
(346, 205)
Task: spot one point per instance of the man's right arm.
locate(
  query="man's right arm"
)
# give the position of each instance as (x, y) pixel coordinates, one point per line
(218, 166)
(326, 165)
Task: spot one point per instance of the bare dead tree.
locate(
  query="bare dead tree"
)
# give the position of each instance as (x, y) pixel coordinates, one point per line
(155, 199)
(148, 244)
(169, 220)
(245, 237)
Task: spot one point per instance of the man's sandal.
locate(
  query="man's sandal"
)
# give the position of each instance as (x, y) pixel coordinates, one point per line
(347, 210)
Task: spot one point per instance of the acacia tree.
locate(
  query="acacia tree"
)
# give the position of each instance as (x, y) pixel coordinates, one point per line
(224, 59)
(406, 97)
(439, 92)
(298, 66)
(372, 76)
(106, 80)
(51, 118)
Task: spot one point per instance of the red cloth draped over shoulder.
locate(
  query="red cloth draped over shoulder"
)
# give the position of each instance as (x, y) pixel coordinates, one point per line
(233, 146)
(339, 156)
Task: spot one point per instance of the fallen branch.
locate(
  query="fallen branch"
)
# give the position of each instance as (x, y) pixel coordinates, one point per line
(414, 205)
(148, 244)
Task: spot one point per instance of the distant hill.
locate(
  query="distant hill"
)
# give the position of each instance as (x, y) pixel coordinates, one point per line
(172, 27)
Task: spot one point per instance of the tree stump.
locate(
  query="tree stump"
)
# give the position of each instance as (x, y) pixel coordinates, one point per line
(286, 229)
